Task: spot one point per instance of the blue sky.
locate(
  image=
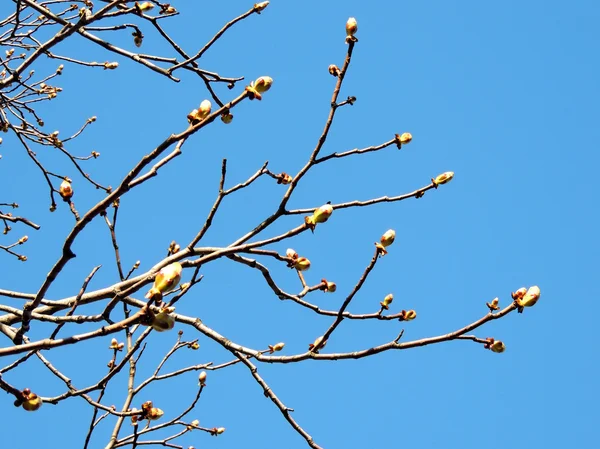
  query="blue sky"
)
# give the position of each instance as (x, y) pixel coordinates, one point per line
(504, 94)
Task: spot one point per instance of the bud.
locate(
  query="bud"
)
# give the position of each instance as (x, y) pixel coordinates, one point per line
(31, 401)
(174, 247)
(162, 321)
(204, 109)
(136, 265)
(166, 279)
(320, 215)
(23, 240)
(202, 379)
(275, 348)
(387, 301)
(226, 118)
(258, 7)
(194, 424)
(529, 298)
(258, 87)
(134, 418)
(443, 178)
(220, 430)
(110, 65)
(316, 343)
(284, 178)
(301, 264)
(328, 287)
(195, 345)
(154, 413)
(146, 6)
(386, 240)
(493, 305)
(168, 9)
(114, 344)
(351, 26)
(497, 346)
(263, 84)
(408, 315)
(291, 253)
(65, 190)
(403, 139)
(334, 70)
(137, 40)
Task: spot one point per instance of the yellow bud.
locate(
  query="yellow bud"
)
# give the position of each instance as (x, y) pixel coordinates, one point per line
(195, 345)
(275, 348)
(403, 139)
(351, 26)
(194, 424)
(263, 84)
(328, 287)
(154, 413)
(204, 109)
(494, 304)
(114, 344)
(65, 190)
(316, 343)
(202, 379)
(110, 65)
(32, 401)
(387, 301)
(388, 238)
(301, 264)
(162, 321)
(258, 7)
(408, 315)
(220, 430)
(497, 346)
(322, 214)
(530, 297)
(146, 6)
(166, 279)
(23, 239)
(334, 70)
(284, 178)
(443, 178)
(227, 118)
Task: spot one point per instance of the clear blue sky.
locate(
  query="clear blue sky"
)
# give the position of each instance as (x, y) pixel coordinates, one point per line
(505, 94)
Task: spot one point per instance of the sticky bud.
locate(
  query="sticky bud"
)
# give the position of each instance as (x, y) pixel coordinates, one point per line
(528, 299)
(403, 139)
(166, 279)
(202, 379)
(204, 109)
(146, 6)
(351, 26)
(284, 178)
(162, 321)
(334, 70)
(301, 264)
(292, 254)
(65, 190)
(258, 7)
(328, 287)
(320, 215)
(317, 343)
(493, 305)
(275, 348)
(443, 178)
(258, 87)
(386, 240)
(154, 413)
(408, 315)
(31, 401)
(227, 118)
(387, 301)
(497, 346)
